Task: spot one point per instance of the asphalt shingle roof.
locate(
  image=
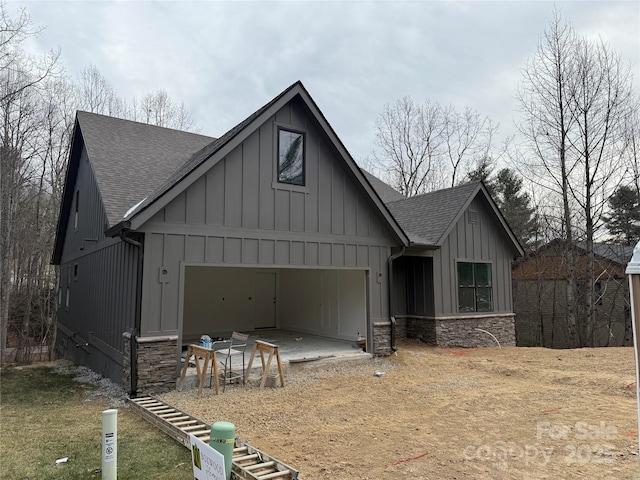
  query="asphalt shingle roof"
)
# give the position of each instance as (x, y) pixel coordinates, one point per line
(614, 252)
(130, 159)
(136, 163)
(426, 218)
(385, 191)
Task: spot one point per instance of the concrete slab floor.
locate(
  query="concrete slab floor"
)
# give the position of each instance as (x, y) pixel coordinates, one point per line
(294, 348)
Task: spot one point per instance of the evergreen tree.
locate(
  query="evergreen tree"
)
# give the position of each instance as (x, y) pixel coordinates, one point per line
(515, 206)
(624, 221)
(483, 171)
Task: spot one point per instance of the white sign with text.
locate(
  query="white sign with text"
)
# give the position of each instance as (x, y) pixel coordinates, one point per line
(208, 463)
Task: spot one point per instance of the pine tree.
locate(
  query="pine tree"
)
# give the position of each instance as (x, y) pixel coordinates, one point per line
(624, 221)
(515, 206)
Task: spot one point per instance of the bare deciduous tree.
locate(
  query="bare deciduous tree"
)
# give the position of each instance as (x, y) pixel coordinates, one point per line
(157, 108)
(575, 97)
(37, 116)
(467, 137)
(410, 140)
(20, 78)
(600, 102)
(96, 94)
(546, 123)
(426, 147)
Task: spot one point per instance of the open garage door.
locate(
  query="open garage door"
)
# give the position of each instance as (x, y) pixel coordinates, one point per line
(329, 303)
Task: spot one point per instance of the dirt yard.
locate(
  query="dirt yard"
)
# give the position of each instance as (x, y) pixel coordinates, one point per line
(515, 413)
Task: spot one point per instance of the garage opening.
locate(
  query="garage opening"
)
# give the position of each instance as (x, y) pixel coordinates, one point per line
(299, 309)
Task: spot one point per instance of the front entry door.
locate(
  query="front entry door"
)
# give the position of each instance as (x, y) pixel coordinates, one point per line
(265, 300)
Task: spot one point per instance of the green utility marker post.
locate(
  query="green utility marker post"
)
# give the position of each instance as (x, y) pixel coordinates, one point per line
(222, 439)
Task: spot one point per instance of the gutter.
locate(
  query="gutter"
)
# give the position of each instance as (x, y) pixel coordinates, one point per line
(138, 311)
(392, 338)
(118, 229)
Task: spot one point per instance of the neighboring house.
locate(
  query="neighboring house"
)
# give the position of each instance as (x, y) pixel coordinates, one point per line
(166, 235)
(539, 290)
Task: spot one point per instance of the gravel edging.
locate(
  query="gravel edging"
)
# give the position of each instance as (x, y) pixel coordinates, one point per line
(106, 388)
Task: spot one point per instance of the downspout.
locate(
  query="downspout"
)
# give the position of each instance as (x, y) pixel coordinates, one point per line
(136, 330)
(392, 318)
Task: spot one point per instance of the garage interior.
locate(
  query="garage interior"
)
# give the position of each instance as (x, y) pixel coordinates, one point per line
(308, 313)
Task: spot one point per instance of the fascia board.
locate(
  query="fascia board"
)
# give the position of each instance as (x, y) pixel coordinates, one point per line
(71, 177)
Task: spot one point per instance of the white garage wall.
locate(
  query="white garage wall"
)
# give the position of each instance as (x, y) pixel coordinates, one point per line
(217, 301)
(353, 314)
(299, 306)
(330, 303)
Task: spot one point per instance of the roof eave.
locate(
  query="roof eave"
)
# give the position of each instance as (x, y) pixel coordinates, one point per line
(71, 174)
(117, 228)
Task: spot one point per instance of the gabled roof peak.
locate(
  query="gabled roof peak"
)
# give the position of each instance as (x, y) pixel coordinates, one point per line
(194, 157)
(429, 218)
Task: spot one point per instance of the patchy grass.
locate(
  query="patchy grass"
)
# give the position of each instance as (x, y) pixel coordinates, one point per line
(45, 416)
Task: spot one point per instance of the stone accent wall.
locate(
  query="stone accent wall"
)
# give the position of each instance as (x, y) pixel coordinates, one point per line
(423, 329)
(382, 338)
(463, 331)
(157, 357)
(401, 327)
(126, 362)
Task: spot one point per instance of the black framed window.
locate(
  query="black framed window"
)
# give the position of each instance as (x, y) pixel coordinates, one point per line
(75, 217)
(291, 157)
(475, 287)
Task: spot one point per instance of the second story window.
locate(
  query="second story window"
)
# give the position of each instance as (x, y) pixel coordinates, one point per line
(291, 158)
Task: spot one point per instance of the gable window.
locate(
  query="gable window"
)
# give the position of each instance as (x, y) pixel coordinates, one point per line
(475, 287)
(291, 158)
(75, 218)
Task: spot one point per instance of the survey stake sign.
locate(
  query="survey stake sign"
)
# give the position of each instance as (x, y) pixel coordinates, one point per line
(208, 464)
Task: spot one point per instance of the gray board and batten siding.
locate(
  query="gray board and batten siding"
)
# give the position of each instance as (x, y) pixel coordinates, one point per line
(475, 238)
(98, 284)
(237, 215)
(447, 227)
(98, 277)
(453, 225)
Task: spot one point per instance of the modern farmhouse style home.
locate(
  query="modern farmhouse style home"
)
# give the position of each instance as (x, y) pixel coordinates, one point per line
(166, 235)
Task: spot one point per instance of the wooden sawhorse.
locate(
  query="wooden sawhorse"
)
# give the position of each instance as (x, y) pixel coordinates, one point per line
(207, 354)
(271, 349)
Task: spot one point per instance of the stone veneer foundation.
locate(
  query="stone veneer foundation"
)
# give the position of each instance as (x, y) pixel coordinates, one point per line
(459, 331)
(156, 359)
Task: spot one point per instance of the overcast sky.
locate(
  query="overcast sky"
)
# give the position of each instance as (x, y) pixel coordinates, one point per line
(227, 59)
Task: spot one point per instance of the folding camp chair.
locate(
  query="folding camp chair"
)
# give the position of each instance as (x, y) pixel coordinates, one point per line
(237, 347)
